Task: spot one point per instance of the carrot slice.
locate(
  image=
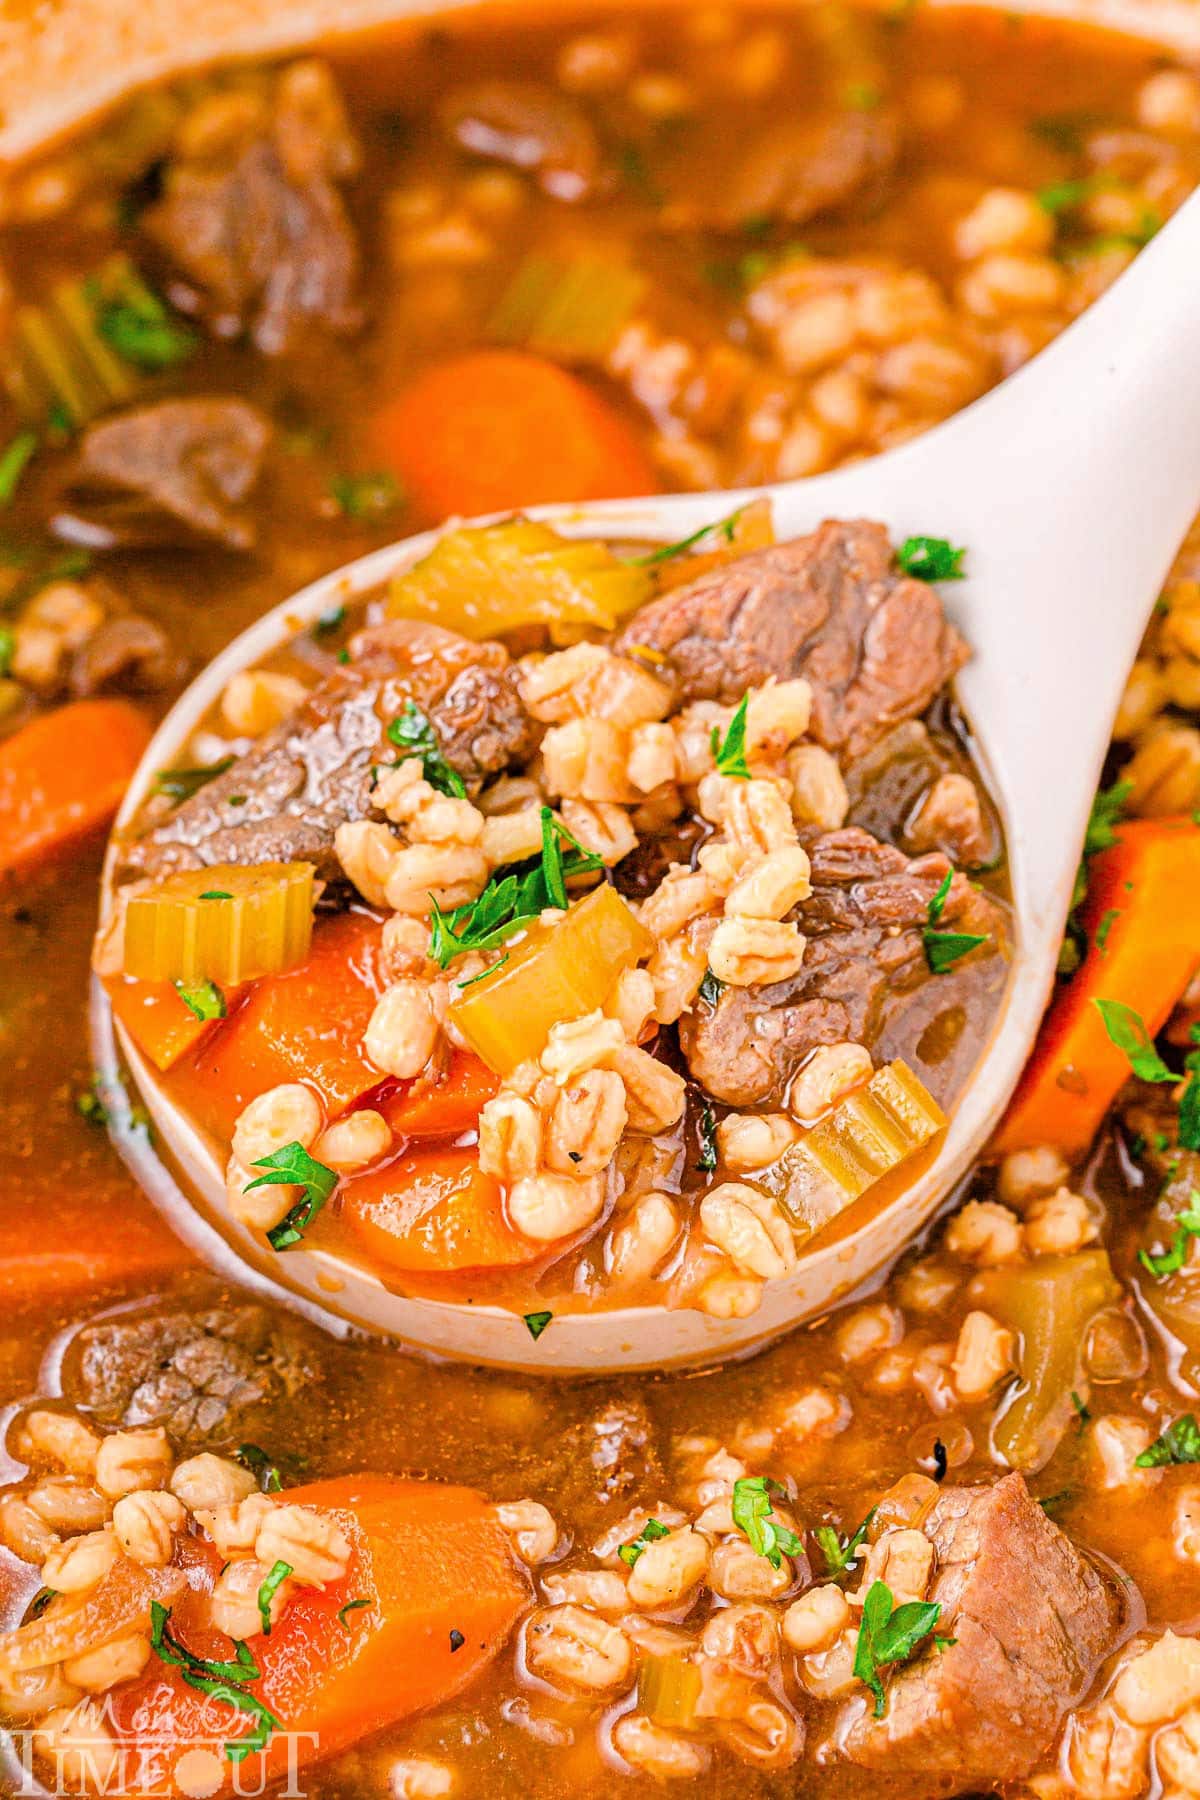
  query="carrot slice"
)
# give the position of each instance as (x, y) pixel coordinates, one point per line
(306, 1025)
(494, 430)
(450, 1106)
(443, 1595)
(434, 1212)
(1142, 917)
(64, 774)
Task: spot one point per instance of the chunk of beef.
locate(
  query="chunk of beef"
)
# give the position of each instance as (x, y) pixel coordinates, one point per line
(833, 607)
(1033, 1620)
(129, 653)
(199, 1374)
(143, 474)
(284, 800)
(864, 978)
(258, 223)
(530, 125)
(806, 167)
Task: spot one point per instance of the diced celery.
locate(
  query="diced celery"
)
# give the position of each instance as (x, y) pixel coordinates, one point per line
(571, 308)
(869, 1133)
(669, 1689)
(560, 971)
(489, 579)
(226, 924)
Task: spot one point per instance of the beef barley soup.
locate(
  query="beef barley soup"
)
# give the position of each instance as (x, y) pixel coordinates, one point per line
(575, 924)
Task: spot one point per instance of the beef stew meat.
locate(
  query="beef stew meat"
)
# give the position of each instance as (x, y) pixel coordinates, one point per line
(578, 925)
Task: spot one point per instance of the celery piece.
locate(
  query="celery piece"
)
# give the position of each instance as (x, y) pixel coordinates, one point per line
(488, 579)
(869, 1133)
(569, 308)
(225, 924)
(669, 1689)
(559, 971)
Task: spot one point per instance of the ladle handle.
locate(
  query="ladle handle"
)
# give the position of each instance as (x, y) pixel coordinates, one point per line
(1072, 484)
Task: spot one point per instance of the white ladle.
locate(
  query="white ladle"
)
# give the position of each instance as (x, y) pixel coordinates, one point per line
(1072, 485)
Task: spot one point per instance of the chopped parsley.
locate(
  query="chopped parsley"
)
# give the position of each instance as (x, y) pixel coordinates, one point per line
(931, 559)
(1081, 1411)
(841, 1554)
(1171, 1260)
(513, 900)
(536, 1323)
(90, 1105)
(219, 1680)
(1107, 921)
(944, 948)
(890, 1634)
(294, 1167)
(350, 1606)
(366, 498)
(651, 1531)
(1189, 1100)
(329, 621)
(13, 460)
(8, 645)
(141, 330)
(217, 894)
(752, 1514)
(707, 1159)
(41, 1601)
(1108, 810)
(1127, 1030)
(204, 999)
(710, 988)
(413, 731)
(264, 1470)
(270, 1587)
(730, 751)
(181, 784)
(1065, 196)
(719, 528)
(1179, 1443)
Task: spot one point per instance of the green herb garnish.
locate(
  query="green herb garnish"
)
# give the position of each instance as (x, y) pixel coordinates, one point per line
(350, 1606)
(1127, 1030)
(1108, 810)
(219, 1680)
(1171, 1260)
(266, 1472)
(944, 948)
(931, 559)
(651, 1531)
(13, 460)
(8, 645)
(41, 1601)
(752, 1514)
(515, 899)
(329, 621)
(710, 988)
(181, 784)
(413, 732)
(216, 894)
(707, 1160)
(536, 1323)
(890, 1634)
(204, 999)
(366, 497)
(140, 328)
(1107, 921)
(1081, 1410)
(667, 552)
(270, 1587)
(1179, 1443)
(841, 1554)
(294, 1167)
(730, 751)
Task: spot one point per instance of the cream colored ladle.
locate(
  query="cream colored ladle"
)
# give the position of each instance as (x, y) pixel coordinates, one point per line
(1071, 485)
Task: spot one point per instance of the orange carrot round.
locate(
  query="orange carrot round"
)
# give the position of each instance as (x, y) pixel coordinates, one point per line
(495, 430)
(442, 1594)
(65, 774)
(434, 1212)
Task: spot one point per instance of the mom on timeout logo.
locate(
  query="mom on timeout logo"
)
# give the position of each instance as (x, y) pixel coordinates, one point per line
(90, 1753)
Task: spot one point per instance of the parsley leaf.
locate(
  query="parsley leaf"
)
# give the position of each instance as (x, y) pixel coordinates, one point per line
(294, 1167)
(730, 751)
(1187, 1226)
(329, 621)
(205, 1000)
(275, 1579)
(889, 1634)
(13, 459)
(667, 552)
(350, 1606)
(931, 559)
(707, 1160)
(710, 988)
(181, 784)
(1189, 1106)
(513, 899)
(1179, 1443)
(651, 1531)
(255, 1458)
(944, 948)
(8, 645)
(413, 731)
(842, 1555)
(1108, 810)
(1065, 196)
(1127, 1030)
(536, 1323)
(142, 331)
(219, 1680)
(752, 1509)
(366, 497)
